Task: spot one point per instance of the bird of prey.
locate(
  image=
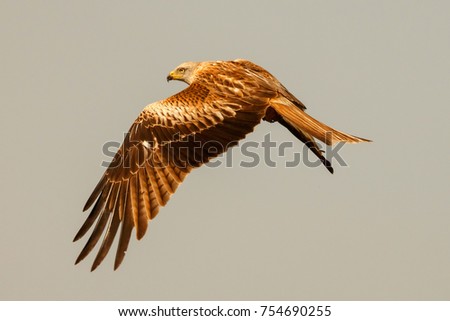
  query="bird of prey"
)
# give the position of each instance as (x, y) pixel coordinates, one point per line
(224, 101)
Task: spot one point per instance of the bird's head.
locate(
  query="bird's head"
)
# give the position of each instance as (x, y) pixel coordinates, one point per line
(184, 72)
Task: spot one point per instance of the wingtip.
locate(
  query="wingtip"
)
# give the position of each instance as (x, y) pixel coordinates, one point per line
(116, 265)
(93, 267)
(86, 207)
(79, 259)
(119, 259)
(77, 237)
(327, 165)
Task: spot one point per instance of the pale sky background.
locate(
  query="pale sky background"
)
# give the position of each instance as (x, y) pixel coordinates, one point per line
(75, 74)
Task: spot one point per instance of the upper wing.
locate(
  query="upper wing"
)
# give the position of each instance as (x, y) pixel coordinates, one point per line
(167, 140)
(265, 78)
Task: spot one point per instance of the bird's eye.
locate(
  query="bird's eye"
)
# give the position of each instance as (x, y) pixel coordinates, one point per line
(181, 69)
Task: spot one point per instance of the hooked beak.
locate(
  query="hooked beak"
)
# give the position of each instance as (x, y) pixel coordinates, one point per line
(169, 77)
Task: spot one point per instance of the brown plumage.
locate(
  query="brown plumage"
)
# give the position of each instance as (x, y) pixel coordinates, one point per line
(224, 101)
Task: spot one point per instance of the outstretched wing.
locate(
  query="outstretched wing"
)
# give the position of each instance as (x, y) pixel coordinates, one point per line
(167, 140)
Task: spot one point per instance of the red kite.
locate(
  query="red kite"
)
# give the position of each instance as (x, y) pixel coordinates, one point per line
(224, 101)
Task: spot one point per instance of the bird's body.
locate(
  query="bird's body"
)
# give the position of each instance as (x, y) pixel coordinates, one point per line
(224, 101)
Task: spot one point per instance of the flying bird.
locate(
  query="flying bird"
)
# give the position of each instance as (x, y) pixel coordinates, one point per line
(224, 101)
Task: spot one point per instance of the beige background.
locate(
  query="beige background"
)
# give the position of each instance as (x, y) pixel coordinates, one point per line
(75, 74)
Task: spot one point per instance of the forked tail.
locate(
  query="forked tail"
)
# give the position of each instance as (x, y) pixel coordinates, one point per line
(303, 122)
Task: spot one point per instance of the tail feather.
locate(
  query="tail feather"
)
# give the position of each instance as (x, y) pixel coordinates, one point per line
(309, 142)
(305, 123)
